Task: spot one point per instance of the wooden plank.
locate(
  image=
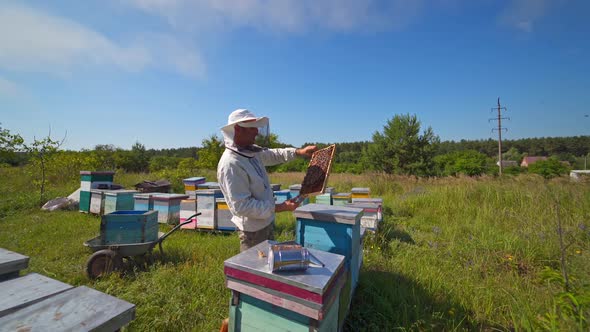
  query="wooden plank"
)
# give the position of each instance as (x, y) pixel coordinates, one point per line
(77, 309)
(12, 262)
(24, 291)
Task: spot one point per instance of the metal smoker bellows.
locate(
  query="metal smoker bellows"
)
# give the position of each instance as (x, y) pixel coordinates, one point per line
(291, 258)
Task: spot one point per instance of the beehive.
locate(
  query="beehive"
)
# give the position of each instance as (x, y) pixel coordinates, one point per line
(188, 208)
(207, 207)
(332, 229)
(375, 200)
(340, 198)
(190, 185)
(224, 216)
(143, 201)
(370, 219)
(118, 200)
(296, 301)
(168, 207)
(325, 199)
(128, 227)
(275, 186)
(92, 180)
(360, 192)
(97, 200)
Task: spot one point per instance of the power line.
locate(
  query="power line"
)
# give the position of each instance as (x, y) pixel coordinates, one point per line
(499, 129)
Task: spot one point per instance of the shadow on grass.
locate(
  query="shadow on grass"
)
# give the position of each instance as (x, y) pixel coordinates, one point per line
(385, 301)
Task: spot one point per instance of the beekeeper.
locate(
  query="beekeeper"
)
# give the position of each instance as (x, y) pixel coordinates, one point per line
(243, 179)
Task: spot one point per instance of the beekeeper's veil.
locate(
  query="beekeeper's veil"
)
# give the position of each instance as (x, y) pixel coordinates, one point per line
(245, 118)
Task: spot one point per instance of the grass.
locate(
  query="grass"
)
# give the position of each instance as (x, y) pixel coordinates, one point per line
(451, 254)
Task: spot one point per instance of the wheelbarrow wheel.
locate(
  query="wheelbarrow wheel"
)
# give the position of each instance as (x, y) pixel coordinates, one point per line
(102, 263)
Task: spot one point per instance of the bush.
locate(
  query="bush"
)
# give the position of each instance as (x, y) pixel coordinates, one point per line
(549, 168)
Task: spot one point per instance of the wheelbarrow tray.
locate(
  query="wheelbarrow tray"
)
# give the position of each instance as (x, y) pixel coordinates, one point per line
(125, 249)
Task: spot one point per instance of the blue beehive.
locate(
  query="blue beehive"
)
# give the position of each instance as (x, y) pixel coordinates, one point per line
(336, 230)
(143, 202)
(126, 227)
(168, 207)
(282, 195)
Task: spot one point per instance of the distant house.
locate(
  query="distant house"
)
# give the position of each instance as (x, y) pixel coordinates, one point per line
(508, 163)
(526, 161)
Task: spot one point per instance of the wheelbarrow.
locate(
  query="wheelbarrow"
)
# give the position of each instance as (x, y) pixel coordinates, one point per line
(109, 257)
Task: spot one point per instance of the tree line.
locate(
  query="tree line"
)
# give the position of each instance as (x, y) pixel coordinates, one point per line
(401, 147)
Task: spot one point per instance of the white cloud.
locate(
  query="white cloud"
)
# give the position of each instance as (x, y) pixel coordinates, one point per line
(522, 14)
(282, 15)
(32, 40)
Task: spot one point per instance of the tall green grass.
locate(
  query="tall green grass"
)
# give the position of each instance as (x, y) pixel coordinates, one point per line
(451, 254)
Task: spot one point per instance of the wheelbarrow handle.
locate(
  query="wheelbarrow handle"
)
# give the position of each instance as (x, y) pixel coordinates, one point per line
(188, 221)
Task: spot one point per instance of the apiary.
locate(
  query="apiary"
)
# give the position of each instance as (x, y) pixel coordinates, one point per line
(168, 207)
(224, 216)
(188, 208)
(117, 200)
(207, 207)
(93, 180)
(263, 300)
(341, 198)
(360, 192)
(127, 227)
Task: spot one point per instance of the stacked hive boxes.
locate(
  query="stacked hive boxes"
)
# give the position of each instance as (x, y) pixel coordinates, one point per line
(341, 198)
(370, 219)
(168, 207)
(360, 193)
(127, 227)
(190, 185)
(207, 207)
(336, 230)
(282, 195)
(188, 208)
(376, 200)
(92, 180)
(119, 200)
(224, 216)
(296, 301)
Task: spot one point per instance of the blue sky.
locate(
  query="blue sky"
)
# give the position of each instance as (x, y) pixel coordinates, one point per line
(167, 73)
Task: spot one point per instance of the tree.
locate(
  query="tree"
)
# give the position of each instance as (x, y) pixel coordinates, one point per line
(468, 162)
(512, 154)
(211, 152)
(41, 153)
(10, 144)
(400, 149)
(548, 168)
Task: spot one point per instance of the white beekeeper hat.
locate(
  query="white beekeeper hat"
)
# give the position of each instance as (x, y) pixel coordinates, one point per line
(245, 118)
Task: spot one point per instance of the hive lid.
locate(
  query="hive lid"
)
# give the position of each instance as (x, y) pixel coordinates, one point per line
(249, 265)
(329, 213)
(167, 197)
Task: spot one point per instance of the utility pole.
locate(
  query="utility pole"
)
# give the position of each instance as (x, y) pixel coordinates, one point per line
(499, 129)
